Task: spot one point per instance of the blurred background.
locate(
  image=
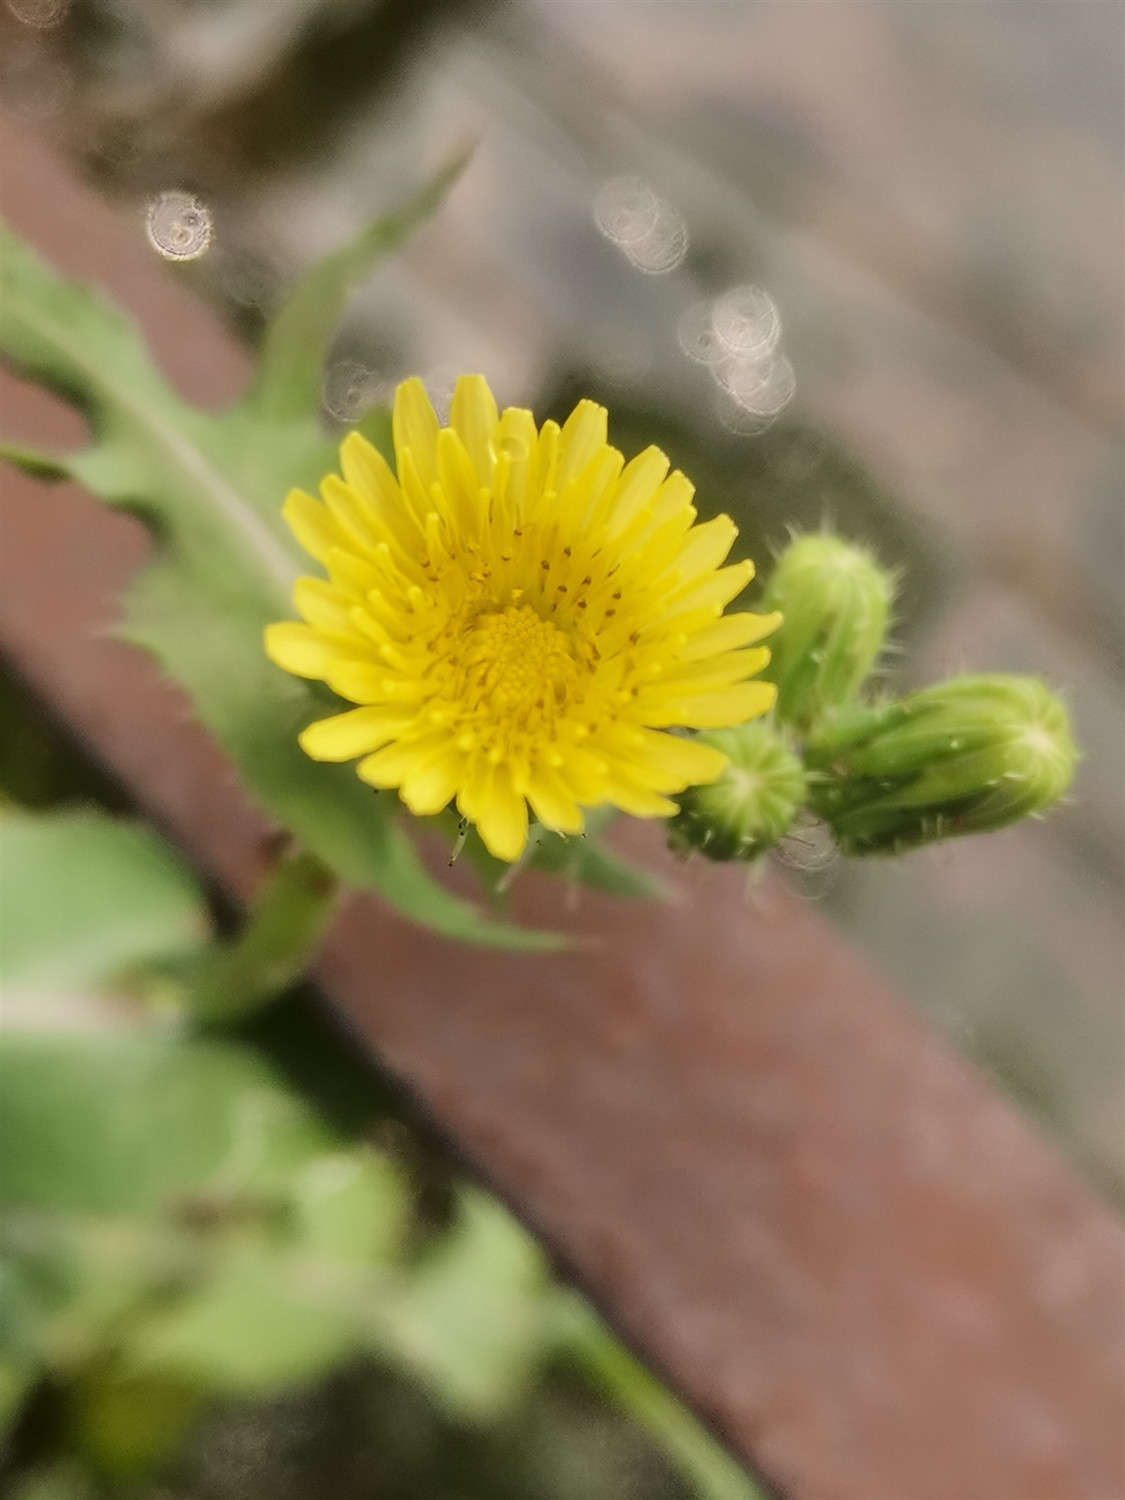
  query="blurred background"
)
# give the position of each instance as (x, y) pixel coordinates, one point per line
(847, 263)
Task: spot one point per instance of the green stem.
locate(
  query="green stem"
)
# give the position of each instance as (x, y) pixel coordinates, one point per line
(282, 934)
(712, 1472)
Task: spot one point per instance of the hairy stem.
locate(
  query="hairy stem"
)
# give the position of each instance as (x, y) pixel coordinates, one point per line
(282, 934)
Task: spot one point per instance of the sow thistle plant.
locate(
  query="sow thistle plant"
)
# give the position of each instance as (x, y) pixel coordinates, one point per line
(501, 622)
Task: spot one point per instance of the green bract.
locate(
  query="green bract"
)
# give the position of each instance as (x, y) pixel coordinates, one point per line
(966, 756)
(835, 598)
(754, 801)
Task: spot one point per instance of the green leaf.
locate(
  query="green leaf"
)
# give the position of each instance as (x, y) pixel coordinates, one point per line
(31, 461)
(297, 340)
(211, 489)
(115, 1125)
(85, 897)
(262, 1322)
(17, 1377)
(472, 1321)
(170, 1205)
(352, 1206)
(65, 1479)
(127, 1426)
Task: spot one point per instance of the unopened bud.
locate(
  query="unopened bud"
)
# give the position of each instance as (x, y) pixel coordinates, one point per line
(966, 756)
(835, 597)
(753, 803)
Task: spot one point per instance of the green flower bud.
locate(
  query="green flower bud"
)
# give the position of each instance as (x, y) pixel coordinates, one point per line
(966, 756)
(752, 804)
(835, 598)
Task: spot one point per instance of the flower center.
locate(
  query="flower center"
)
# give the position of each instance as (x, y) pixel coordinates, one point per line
(515, 664)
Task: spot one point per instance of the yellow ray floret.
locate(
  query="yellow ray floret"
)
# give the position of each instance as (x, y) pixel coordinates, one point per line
(519, 615)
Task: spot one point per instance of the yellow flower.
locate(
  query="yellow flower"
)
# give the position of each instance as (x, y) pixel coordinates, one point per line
(519, 614)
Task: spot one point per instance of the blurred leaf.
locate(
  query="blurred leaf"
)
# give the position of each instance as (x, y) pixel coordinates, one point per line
(64, 1480)
(351, 1205)
(473, 1319)
(31, 461)
(174, 1200)
(17, 1377)
(126, 1425)
(38, 1267)
(263, 1321)
(85, 897)
(211, 488)
(132, 1124)
(297, 340)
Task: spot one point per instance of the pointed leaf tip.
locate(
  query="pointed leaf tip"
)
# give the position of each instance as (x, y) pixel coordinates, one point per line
(31, 461)
(296, 342)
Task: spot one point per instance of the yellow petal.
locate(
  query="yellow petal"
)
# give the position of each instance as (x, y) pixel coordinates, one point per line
(311, 524)
(673, 496)
(351, 572)
(638, 801)
(516, 444)
(415, 428)
(390, 766)
(637, 487)
(551, 803)
(583, 434)
(721, 670)
(344, 736)
(714, 592)
(363, 681)
(431, 785)
(323, 605)
(354, 519)
(679, 763)
(459, 484)
(368, 472)
(589, 499)
(728, 634)
(706, 547)
(501, 819)
(300, 650)
(369, 475)
(543, 478)
(474, 418)
(717, 710)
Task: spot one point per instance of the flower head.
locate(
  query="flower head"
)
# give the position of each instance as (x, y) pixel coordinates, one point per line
(520, 614)
(836, 597)
(753, 803)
